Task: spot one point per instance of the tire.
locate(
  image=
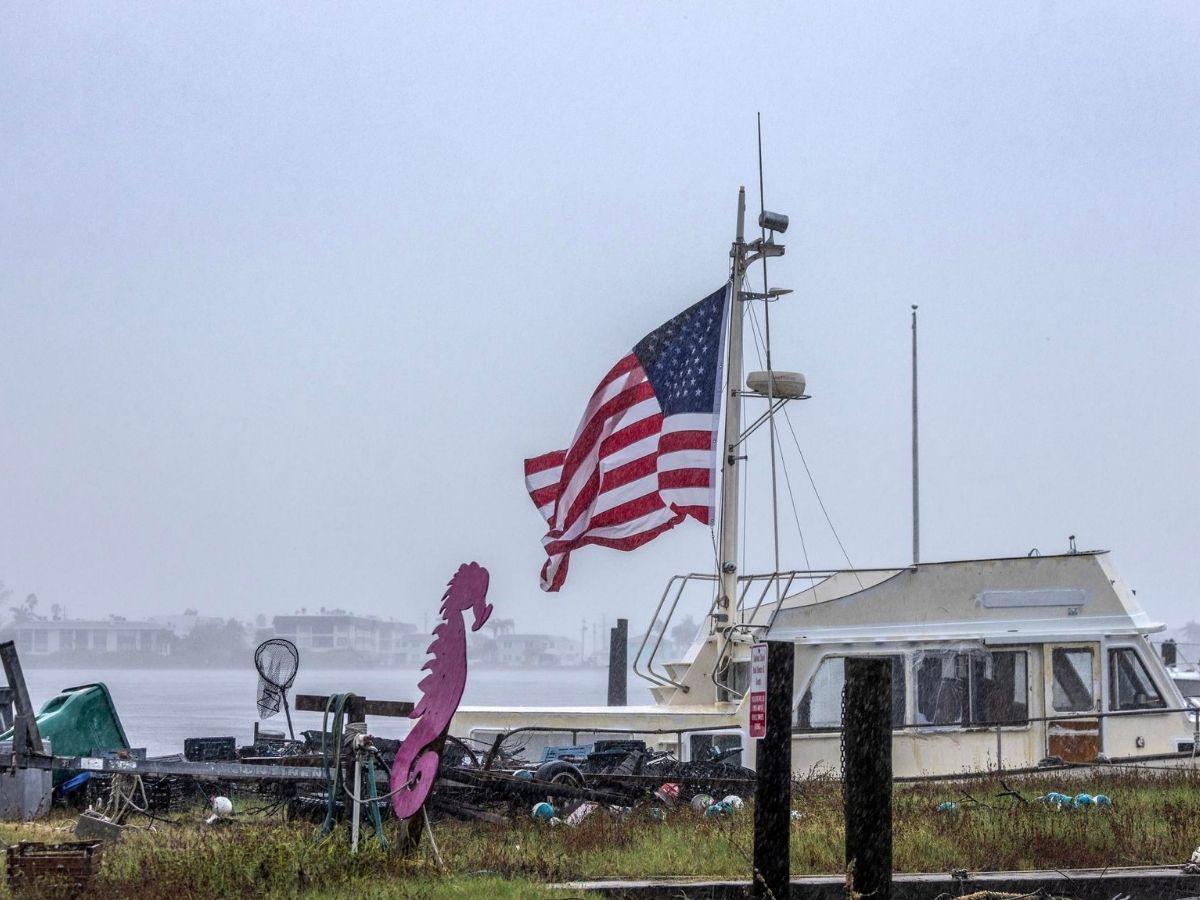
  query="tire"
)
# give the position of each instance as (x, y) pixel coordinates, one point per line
(559, 772)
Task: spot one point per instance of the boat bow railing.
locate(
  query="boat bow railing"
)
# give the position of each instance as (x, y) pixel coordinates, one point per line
(753, 593)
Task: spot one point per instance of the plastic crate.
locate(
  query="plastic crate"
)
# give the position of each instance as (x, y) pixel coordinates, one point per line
(210, 749)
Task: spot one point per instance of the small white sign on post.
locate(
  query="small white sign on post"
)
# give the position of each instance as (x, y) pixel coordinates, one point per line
(758, 691)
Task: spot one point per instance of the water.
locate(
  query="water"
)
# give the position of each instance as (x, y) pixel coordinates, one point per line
(161, 707)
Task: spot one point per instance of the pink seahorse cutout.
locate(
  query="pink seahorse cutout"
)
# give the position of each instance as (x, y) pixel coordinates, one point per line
(415, 767)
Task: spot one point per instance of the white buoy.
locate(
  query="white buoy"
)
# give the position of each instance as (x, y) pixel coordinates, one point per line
(222, 807)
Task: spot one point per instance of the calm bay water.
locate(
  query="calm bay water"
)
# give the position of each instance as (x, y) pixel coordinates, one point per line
(161, 707)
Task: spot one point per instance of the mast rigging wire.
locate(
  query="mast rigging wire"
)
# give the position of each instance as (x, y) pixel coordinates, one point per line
(811, 481)
(754, 330)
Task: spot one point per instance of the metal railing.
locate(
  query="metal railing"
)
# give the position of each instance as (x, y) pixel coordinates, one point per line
(745, 612)
(664, 679)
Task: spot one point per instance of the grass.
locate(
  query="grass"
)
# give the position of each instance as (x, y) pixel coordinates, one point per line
(1152, 822)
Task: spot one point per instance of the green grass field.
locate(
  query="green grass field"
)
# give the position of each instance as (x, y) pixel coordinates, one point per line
(1153, 821)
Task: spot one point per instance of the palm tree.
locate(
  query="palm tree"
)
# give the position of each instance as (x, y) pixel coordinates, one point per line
(501, 626)
(1191, 632)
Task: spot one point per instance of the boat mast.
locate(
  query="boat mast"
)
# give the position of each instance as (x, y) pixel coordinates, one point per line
(728, 549)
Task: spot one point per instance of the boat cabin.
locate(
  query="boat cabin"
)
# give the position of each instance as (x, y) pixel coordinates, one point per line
(995, 663)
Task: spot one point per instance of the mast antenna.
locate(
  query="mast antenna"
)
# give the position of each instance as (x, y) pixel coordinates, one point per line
(762, 208)
(916, 468)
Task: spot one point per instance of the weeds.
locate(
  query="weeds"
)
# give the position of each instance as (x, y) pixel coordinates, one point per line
(1153, 821)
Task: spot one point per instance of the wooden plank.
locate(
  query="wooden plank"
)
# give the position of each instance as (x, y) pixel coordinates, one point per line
(16, 683)
(224, 771)
(396, 709)
(6, 707)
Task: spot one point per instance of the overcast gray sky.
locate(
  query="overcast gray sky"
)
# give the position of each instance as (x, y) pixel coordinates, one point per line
(288, 292)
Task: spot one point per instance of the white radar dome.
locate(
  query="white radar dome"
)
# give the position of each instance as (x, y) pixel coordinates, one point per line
(787, 385)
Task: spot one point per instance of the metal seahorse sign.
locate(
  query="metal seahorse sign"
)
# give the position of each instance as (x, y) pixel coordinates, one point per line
(416, 764)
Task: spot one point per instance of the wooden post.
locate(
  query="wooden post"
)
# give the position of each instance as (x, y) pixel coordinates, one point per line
(773, 790)
(867, 774)
(618, 677)
(20, 699)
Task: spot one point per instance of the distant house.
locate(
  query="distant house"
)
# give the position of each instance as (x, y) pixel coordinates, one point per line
(181, 624)
(536, 650)
(410, 649)
(337, 629)
(39, 637)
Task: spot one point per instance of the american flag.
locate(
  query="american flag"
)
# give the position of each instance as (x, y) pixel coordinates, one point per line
(644, 455)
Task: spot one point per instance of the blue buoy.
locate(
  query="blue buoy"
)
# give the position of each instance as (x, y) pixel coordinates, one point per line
(1082, 800)
(543, 812)
(1102, 800)
(948, 806)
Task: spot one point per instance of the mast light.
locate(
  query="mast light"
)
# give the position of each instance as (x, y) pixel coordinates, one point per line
(773, 221)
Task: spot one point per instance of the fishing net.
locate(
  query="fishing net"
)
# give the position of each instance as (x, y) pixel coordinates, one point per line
(277, 661)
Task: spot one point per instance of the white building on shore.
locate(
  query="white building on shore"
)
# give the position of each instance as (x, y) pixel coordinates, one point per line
(46, 637)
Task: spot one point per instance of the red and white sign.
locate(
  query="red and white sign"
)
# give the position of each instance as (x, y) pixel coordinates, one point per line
(758, 691)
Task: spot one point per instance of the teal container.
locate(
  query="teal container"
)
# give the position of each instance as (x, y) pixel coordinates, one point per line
(80, 721)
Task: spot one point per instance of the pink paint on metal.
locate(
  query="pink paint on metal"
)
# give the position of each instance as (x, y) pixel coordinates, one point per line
(416, 764)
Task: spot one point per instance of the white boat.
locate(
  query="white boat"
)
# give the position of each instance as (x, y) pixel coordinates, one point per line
(1182, 668)
(1006, 662)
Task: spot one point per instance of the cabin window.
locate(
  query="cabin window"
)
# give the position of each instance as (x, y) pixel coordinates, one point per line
(821, 706)
(999, 688)
(1073, 690)
(735, 681)
(1130, 685)
(709, 746)
(971, 688)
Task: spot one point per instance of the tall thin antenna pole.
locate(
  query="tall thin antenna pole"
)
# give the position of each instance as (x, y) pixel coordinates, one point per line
(916, 467)
(762, 205)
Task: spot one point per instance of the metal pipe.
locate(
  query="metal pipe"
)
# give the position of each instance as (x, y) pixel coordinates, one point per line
(356, 812)
(916, 469)
(727, 555)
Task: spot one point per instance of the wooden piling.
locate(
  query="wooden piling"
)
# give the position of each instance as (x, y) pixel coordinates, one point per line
(867, 774)
(773, 790)
(618, 677)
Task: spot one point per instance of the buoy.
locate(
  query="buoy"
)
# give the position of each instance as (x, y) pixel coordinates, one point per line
(543, 812)
(701, 802)
(1082, 800)
(718, 810)
(734, 801)
(947, 806)
(523, 774)
(1102, 800)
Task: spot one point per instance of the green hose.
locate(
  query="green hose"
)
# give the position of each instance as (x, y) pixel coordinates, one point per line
(373, 803)
(333, 772)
